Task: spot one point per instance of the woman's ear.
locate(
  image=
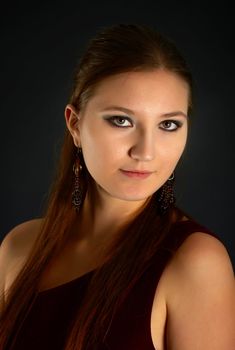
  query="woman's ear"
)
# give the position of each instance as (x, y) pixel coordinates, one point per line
(72, 119)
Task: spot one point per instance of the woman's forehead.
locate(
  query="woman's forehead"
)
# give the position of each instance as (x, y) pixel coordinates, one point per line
(141, 88)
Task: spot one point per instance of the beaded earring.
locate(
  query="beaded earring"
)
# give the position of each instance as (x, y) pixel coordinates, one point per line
(167, 195)
(77, 193)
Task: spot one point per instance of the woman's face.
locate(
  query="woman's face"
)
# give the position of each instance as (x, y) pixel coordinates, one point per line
(135, 121)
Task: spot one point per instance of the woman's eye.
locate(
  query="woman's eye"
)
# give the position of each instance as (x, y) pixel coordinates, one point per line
(177, 124)
(123, 122)
(119, 121)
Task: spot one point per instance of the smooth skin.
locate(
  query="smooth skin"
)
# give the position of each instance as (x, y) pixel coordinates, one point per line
(138, 140)
(194, 303)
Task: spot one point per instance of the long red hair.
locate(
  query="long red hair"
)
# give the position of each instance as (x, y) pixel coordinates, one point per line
(116, 49)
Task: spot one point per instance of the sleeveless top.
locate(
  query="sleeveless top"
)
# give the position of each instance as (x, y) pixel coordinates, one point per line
(46, 325)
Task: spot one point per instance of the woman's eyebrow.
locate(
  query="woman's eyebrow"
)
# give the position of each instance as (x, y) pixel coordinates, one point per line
(129, 111)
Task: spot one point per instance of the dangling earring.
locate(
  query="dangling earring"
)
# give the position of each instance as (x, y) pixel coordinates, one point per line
(167, 195)
(77, 193)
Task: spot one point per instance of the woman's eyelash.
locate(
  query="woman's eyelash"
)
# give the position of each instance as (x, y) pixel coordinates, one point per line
(112, 120)
(176, 122)
(116, 117)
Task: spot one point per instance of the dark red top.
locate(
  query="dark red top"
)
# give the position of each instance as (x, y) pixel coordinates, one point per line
(48, 321)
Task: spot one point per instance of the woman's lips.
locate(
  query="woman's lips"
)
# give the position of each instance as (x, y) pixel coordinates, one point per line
(136, 174)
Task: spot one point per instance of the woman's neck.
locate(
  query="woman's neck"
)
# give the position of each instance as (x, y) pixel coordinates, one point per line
(102, 215)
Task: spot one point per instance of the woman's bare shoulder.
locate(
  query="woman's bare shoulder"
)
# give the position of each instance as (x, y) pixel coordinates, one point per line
(194, 259)
(199, 278)
(199, 248)
(199, 252)
(15, 248)
(17, 243)
(21, 236)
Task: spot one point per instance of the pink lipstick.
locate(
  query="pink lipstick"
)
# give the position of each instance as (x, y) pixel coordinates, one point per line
(136, 174)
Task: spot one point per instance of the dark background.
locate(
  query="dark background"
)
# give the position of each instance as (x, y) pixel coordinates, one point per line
(40, 45)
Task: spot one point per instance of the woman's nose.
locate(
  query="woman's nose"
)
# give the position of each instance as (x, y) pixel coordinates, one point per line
(143, 148)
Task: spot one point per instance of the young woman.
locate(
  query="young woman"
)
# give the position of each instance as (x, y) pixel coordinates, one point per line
(114, 263)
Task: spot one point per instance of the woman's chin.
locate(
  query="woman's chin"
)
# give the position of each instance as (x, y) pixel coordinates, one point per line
(131, 197)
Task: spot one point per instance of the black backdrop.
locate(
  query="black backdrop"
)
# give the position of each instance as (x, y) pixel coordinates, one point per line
(40, 46)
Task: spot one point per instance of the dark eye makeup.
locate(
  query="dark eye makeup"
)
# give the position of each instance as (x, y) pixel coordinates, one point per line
(119, 122)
